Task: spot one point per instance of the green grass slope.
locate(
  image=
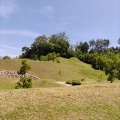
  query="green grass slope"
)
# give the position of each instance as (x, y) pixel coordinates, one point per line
(51, 72)
(85, 102)
(95, 102)
(67, 69)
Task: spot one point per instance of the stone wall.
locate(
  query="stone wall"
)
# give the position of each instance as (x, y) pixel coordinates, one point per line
(14, 74)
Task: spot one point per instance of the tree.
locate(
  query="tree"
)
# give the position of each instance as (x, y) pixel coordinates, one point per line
(55, 37)
(6, 57)
(61, 47)
(119, 41)
(83, 47)
(26, 52)
(24, 82)
(112, 67)
(92, 44)
(105, 43)
(24, 68)
(39, 46)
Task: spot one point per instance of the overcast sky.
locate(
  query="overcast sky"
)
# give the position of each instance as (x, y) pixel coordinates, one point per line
(21, 21)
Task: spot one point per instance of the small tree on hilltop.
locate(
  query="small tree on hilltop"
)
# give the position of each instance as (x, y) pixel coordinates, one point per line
(24, 82)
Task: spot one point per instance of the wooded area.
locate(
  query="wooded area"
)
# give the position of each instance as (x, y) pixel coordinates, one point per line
(95, 52)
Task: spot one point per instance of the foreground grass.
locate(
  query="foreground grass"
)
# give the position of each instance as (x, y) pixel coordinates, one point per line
(10, 83)
(95, 102)
(7, 83)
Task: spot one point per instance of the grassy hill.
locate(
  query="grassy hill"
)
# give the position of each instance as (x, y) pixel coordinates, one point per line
(69, 68)
(50, 72)
(48, 100)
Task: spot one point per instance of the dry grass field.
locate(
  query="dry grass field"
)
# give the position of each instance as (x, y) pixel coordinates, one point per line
(88, 102)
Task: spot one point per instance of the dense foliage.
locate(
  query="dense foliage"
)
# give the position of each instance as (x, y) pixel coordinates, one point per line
(43, 45)
(24, 83)
(24, 68)
(95, 52)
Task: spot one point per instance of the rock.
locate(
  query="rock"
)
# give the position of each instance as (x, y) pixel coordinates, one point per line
(14, 74)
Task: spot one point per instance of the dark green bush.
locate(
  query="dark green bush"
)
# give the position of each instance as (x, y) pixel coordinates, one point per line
(43, 58)
(48, 57)
(24, 83)
(73, 82)
(68, 82)
(76, 82)
(6, 57)
(52, 56)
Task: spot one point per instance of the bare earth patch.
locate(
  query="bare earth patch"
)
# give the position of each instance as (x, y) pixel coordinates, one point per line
(62, 83)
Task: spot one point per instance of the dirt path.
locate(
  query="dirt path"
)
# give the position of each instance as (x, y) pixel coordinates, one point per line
(63, 83)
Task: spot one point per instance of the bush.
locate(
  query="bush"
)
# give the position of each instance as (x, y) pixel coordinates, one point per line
(73, 82)
(76, 82)
(44, 58)
(52, 56)
(48, 57)
(68, 82)
(24, 83)
(57, 61)
(6, 57)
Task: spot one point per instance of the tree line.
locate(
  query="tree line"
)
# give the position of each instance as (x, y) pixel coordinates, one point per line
(95, 52)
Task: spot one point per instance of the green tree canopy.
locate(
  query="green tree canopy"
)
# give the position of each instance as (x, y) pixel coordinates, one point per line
(6, 57)
(24, 68)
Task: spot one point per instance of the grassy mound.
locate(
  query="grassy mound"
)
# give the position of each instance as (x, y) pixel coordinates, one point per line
(50, 72)
(67, 69)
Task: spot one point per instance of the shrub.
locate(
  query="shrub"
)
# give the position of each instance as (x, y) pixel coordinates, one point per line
(68, 82)
(57, 61)
(76, 82)
(52, 56)
(24, 83)
(43, 58)
(73, 82)
(6, 57)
